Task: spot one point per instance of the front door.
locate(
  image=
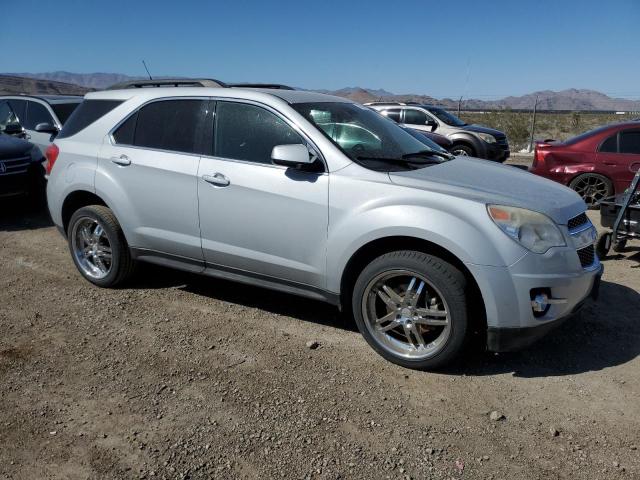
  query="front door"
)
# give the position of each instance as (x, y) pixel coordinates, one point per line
(256, 217)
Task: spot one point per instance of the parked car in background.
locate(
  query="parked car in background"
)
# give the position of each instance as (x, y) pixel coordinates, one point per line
(597, 164)
(319, 196)
(40, 116)
(21, 171)
(468, 140)
(433, 140)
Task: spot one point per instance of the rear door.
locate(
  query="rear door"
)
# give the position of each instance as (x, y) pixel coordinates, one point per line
(619, 157)
(148, 169)
(256, 216)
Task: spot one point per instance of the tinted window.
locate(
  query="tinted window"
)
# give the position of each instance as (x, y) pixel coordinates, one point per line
(64, 110)
(88, 112)
(7, 115)
(125, 133)
(447, 117)
(247, 132)
(36, 113)
(415, 117)
(630, 141)
(175, 125)
(610, 145)
(393, 114)
(20, 109)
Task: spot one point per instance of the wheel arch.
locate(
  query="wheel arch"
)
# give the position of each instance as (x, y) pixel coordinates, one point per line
(373, 249)
(76, 200)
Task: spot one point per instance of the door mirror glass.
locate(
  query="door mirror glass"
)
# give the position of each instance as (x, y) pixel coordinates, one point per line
(46, 128)
(295, 155)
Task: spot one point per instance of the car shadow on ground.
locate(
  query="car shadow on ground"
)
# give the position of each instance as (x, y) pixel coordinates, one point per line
(152, 277)
(19, 214)
(603, 335)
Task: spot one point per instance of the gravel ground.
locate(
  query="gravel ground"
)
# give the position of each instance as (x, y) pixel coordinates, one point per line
(180, 376)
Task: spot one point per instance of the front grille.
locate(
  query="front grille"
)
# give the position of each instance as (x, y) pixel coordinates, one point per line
(12, 166)
(587, 256)
(578, 221)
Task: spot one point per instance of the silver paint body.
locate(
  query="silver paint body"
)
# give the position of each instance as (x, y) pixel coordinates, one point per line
(304, 229)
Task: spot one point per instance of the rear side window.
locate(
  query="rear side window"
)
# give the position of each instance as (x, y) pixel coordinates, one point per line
(610, 145)
(415, 117)
(88, 112)
(393, 114)
(630, 141)
(173, 125)
(64, 110)
(19, 107)
(246, 132)
(36, 113)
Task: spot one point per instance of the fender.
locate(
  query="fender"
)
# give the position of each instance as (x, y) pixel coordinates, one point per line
(350, 234)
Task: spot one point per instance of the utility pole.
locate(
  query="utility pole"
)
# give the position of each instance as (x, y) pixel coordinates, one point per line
(459, 103)
(533, 124)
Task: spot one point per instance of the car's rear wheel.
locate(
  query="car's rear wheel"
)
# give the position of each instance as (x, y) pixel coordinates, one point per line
(98, 247)
(411, 308)
(463, 150)
(592, 187)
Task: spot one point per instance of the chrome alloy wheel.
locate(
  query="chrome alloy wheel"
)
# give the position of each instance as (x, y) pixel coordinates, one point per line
(406, 314)
(458, 152)
(91, 248)
(591, 188)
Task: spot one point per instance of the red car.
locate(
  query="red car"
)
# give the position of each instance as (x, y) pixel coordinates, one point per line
(597, 164)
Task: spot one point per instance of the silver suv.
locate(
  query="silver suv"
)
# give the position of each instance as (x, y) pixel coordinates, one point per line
(468, 140)
(321, 197)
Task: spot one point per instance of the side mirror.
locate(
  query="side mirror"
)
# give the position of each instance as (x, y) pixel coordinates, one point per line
(46, 128)
(295, 156)
(432, 124)
(14, 129)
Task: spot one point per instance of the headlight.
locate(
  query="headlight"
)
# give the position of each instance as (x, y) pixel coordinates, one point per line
(532, 230)
(487, 138)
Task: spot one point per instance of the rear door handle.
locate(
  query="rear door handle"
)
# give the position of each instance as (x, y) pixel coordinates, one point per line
(122, 160)
(216, 179)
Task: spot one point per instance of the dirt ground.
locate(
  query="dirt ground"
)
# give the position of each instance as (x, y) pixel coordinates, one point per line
(180, 376)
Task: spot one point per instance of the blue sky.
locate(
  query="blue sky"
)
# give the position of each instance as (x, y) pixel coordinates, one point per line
(482, 49)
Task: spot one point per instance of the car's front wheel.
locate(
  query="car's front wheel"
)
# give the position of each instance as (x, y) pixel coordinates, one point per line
(411, 308)
(462, 150)
(98, 247)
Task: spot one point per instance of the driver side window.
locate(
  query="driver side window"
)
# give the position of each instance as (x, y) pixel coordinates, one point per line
(248, 132)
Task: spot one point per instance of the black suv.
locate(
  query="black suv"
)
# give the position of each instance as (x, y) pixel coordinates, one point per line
(21, 170)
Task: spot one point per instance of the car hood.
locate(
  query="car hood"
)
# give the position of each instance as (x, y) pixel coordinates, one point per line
(11, 147)
(488, 182)
(480, 129)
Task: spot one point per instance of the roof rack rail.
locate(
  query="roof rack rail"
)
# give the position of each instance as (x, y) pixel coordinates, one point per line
(169, 82)
(393, 103)
(274, 86)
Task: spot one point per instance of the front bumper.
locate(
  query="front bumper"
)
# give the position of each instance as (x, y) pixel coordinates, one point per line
(511, 339)
(498, 152)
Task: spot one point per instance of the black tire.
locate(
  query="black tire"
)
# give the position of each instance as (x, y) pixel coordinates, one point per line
(602, 188)
(603, 245)
(122, 265)
(444, 277)
(463, 149)
(619, 246)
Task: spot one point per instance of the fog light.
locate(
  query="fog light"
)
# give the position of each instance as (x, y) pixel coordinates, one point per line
(540, 303)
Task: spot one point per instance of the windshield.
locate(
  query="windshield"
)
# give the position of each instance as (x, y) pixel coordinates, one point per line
(367, 137)
(446, 117)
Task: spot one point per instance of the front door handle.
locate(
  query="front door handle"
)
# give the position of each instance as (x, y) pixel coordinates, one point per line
(216, 179)
(122, 160)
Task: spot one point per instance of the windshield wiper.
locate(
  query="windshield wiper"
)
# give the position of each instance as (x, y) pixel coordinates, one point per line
(402, 161)
(429, 153)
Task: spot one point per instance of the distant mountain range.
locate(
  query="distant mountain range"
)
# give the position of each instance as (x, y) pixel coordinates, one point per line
(571, 99)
